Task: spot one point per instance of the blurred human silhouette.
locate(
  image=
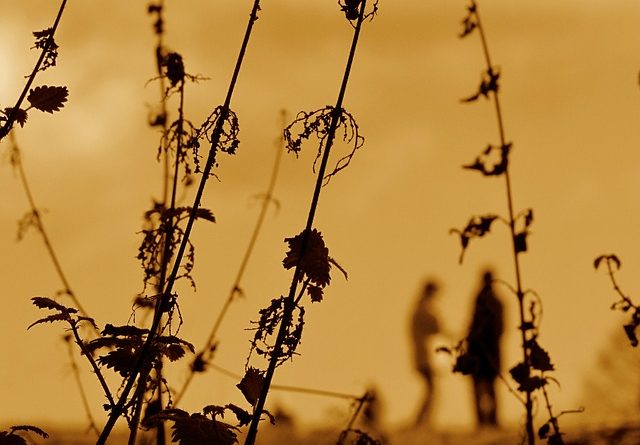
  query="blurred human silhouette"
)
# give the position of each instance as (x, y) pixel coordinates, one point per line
(483, 343)
(424, 325)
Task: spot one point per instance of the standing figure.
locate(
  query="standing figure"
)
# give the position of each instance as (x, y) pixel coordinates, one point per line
(424, 325)
(483, 345)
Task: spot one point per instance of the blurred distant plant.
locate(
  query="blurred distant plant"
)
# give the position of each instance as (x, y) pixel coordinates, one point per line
(14, 435)
(205, 355)
(308, 255)
(43, 98)
(531, 374)
(624, 302)
(354, 435)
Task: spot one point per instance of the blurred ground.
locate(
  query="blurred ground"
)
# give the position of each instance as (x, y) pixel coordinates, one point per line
(622, 434)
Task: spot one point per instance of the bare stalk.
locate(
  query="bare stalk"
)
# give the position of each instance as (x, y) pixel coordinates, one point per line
(146, 350)
(83, 394)
(512, 228)
(289, 305)
(13, 114)
(92, 362)
(235, 287)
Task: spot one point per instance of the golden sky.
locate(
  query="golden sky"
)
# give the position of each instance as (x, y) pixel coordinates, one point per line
(571, 104)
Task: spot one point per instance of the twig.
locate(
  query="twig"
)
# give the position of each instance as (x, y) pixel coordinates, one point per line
(83, 394)
(13, 114)
(166, 295)
(289, 305)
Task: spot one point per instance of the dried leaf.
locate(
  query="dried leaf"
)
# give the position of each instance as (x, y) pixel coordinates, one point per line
(243, 416)
(121, 360)
(520, 241)
(540, 359)
(124, 331)
(630, 330)
(20, 115)
(315, 260)
(543, 432)
(48, 303)
(205, 214)
(251, 385)
(316, 293)
(200, 430)
(50, 319)
(46, 98)
(31, 429)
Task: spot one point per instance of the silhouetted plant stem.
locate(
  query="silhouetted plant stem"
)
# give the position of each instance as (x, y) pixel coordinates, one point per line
(92, 362)
(165, 298)
(204, 354)
(83, 394)
(512, 227)
(13, 114)
(289, 303)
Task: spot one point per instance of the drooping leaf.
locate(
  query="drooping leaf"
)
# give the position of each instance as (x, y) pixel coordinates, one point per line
(20, 115)
(197, 429)
(50, 319)
(555, 439)
(526, 383)
(48, 303)
(243, 416)
(174, 352)
(609, 259)
(630, 330)
(121, 360)
(31, 429)
(540, 359)
(520, 241)
(123, 331)
(315, 292)
(315, 260)
(251, 385)
(174, 68)
(49, 99)
(543, 432)
(205, 214)
(477, 227)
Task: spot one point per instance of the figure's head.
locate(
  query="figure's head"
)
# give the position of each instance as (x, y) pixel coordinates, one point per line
(487, 277)
(430, 289)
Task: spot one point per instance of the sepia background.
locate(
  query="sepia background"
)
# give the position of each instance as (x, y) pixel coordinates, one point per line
(571, 104)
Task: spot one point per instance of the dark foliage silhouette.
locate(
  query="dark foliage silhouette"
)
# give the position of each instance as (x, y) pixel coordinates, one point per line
(14, 435)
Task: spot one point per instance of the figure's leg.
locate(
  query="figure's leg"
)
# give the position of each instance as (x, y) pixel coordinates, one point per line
(492, 414)
(424, 413)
